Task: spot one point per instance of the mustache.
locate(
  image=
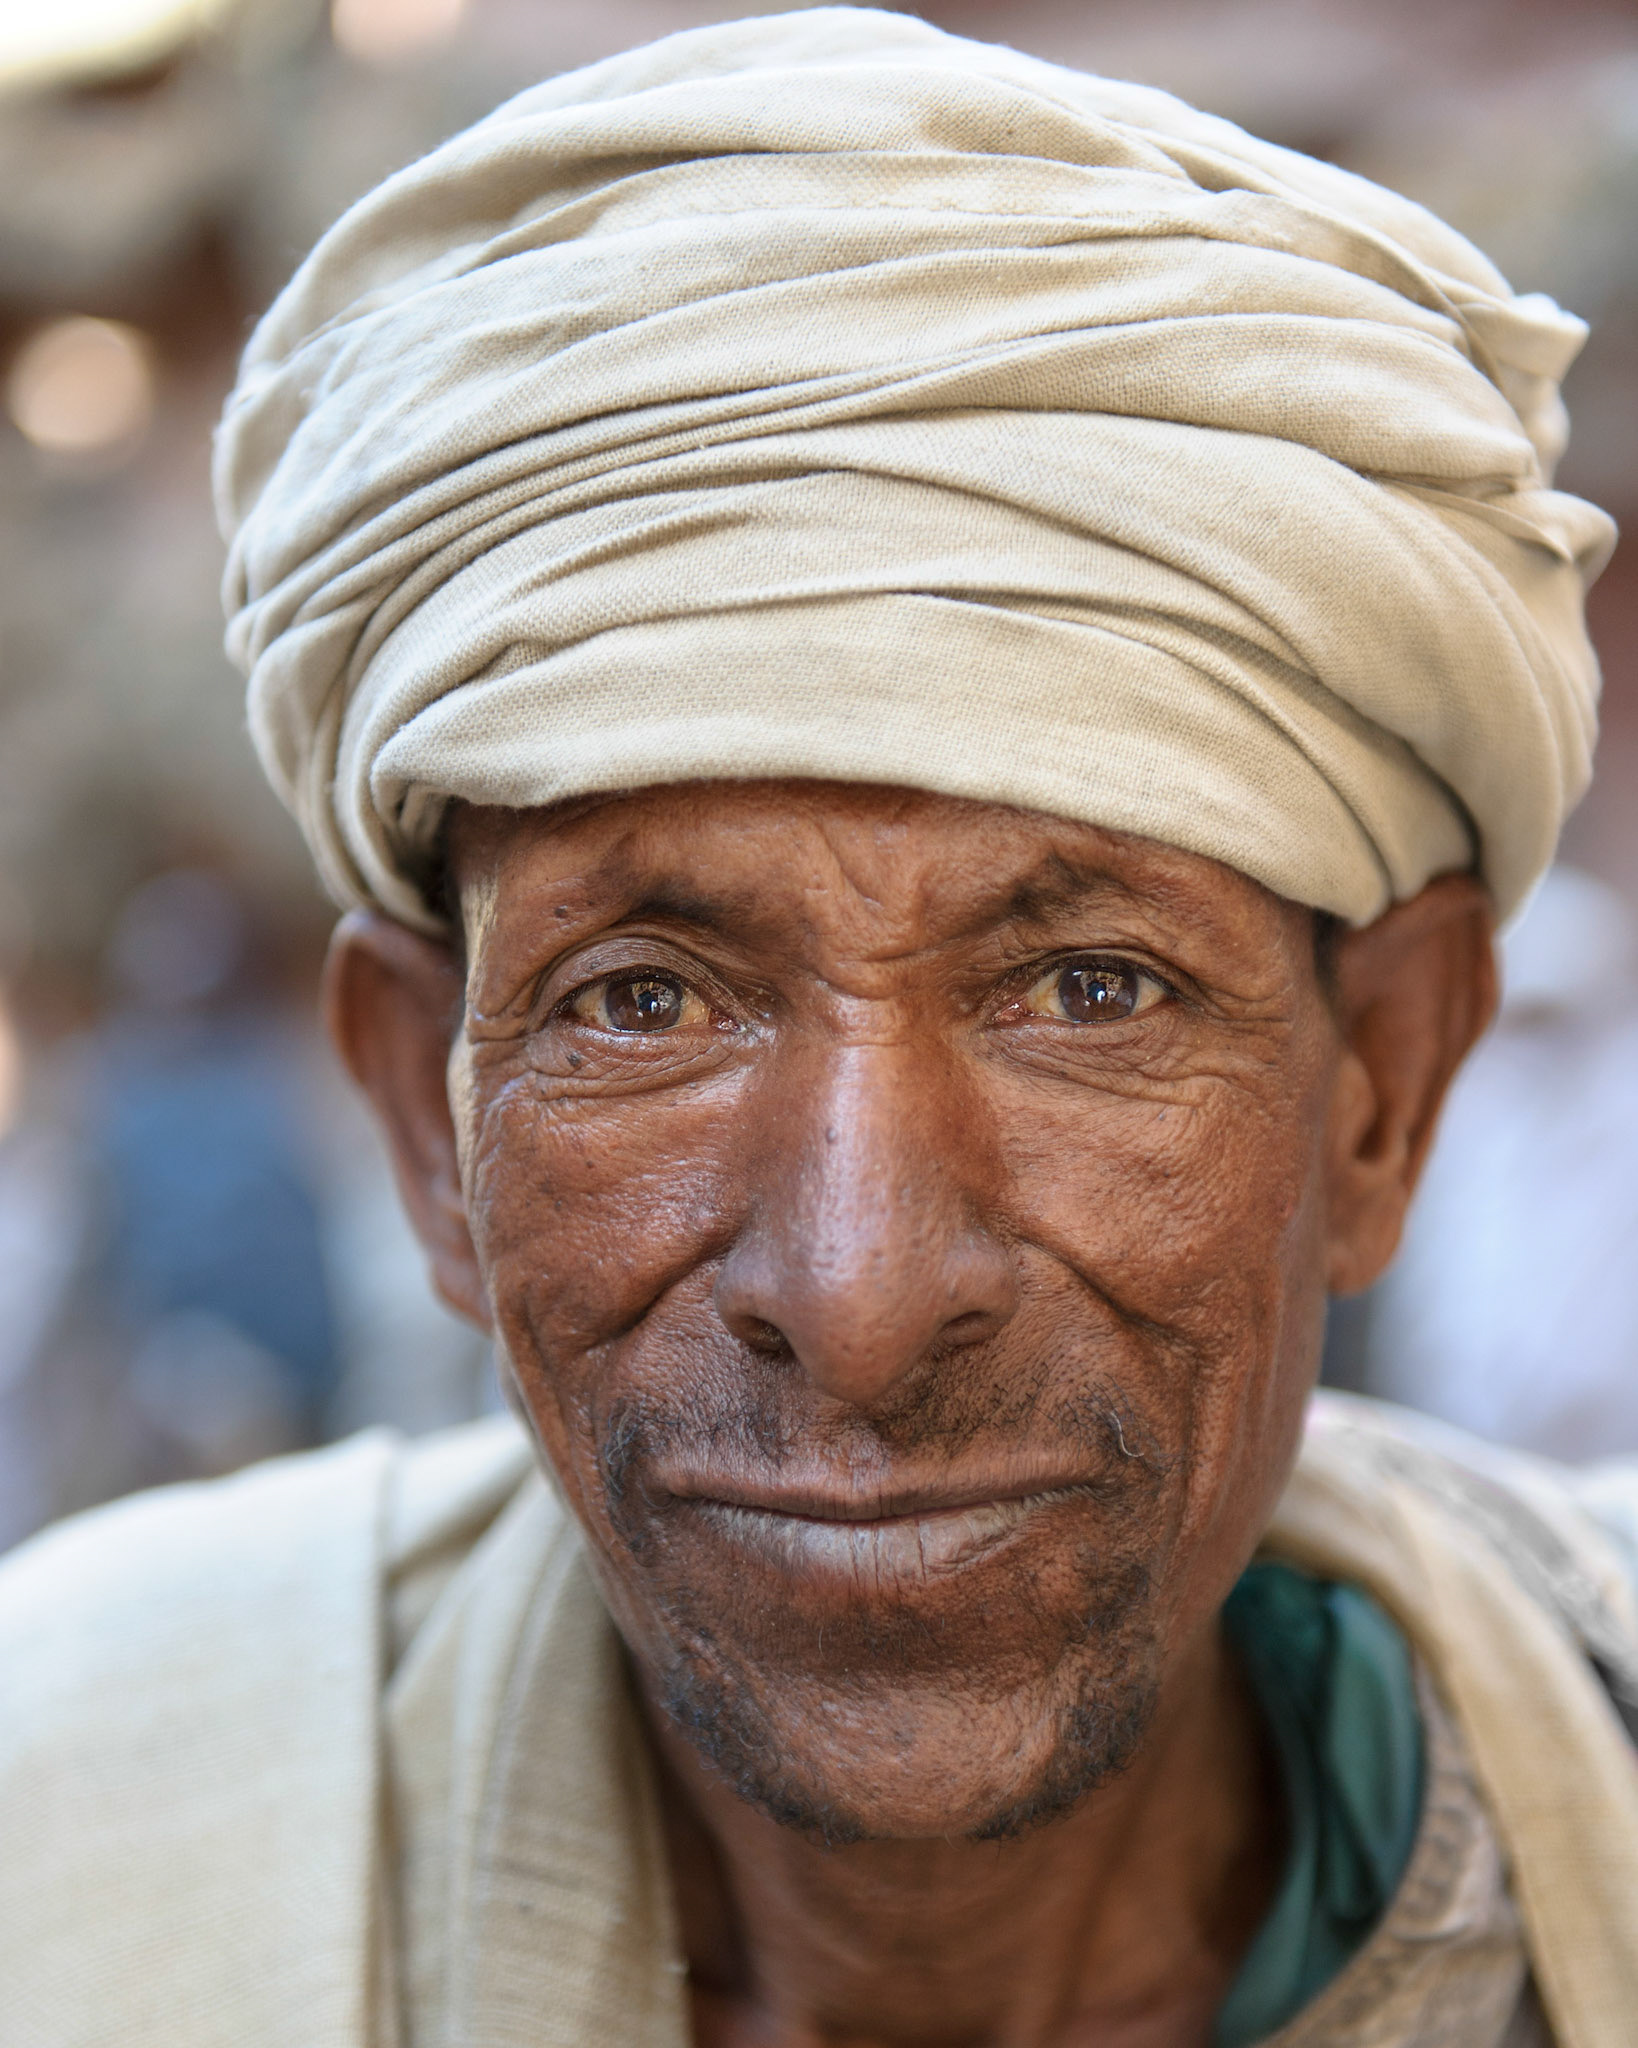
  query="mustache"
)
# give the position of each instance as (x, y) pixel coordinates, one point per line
(1092, 1430)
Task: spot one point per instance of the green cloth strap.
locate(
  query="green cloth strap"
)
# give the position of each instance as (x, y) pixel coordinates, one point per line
(1334, 1679)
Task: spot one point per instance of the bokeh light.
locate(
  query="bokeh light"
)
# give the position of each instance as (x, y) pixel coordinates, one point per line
(11, 1068)
(82, 387)
(389, 31)
(45, 42)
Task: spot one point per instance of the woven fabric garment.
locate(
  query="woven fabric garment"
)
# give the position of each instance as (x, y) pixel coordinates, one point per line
(826, 395)
(341, 1752)
(1336, 1684)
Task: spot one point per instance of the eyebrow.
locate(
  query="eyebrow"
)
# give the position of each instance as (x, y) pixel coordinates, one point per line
(669, 904)
(1053, 887)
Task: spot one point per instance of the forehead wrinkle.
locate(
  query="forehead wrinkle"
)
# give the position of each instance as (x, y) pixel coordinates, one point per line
(889, 917)
(841, 909)
(1051, 886)
(817, 897)
(840, 913)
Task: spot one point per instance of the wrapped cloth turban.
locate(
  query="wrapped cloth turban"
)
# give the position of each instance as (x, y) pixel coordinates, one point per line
(825, 395)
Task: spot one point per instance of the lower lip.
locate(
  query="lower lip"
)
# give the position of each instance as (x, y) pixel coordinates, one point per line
(901, 1547)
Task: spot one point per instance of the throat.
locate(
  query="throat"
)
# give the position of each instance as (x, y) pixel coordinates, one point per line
(1122, 1924)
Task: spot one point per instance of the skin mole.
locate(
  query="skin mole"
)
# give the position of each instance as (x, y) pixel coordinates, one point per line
(908, 1223)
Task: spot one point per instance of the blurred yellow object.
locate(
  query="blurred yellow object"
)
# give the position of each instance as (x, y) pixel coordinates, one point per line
(11, 1070)
(82, 387)
(383, 31)
(49, 44)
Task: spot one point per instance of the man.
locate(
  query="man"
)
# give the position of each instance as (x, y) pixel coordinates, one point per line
(925, 675)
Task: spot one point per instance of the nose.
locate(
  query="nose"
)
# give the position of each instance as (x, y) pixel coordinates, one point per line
(864, 1251)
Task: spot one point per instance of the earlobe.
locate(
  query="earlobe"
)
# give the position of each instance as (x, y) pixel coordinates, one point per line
(1414, 991)
(392, 1001)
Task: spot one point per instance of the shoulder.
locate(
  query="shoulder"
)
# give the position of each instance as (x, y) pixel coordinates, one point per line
(136, 1585)
(195, 1592)
(1567, 1535)
(146, 1586)
(189, 1718)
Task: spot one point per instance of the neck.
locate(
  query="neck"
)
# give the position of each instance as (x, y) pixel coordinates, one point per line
(1122, 1924)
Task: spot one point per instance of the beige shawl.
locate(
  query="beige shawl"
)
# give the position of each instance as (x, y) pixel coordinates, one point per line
(285, 1759)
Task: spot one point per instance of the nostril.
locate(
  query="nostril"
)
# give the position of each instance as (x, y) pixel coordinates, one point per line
(971, 1328)
(766, 1339)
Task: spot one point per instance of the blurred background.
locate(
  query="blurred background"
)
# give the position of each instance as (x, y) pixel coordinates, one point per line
(201, 1258)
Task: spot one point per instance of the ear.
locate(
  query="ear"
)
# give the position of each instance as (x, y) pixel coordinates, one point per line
(393, 1004)
(1413, 992)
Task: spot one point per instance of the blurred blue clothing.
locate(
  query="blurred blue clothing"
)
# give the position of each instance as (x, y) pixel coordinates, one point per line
(195, 1126)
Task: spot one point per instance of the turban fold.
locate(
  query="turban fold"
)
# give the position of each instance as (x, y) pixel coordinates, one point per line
(826, 395)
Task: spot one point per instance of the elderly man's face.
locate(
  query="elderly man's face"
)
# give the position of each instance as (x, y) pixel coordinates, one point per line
(908, 1222)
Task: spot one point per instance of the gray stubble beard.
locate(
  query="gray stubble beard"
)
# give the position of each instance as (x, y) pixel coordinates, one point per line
(1097, 1733)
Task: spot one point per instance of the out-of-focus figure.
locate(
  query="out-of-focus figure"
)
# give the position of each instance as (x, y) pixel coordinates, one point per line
(202, 1258)
(1512, 1308)
(212, 1262)
(165, 1308)
(41, 1223)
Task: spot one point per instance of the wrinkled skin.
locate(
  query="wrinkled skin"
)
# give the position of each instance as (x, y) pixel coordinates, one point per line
(909, 1224)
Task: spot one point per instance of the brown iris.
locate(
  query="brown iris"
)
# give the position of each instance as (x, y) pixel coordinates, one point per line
(1099, 991)
(643, 1002)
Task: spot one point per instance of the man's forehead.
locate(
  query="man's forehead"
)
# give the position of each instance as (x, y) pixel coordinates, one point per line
(739, 857)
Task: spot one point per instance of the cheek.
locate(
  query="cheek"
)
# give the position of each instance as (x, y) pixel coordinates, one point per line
(1199, 1221)
(586, 1213)
(1177, 1205)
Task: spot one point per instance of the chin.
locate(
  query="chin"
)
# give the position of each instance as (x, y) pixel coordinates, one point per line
(863, 1759)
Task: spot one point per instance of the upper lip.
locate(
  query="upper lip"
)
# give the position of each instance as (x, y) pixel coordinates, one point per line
(815, 1503)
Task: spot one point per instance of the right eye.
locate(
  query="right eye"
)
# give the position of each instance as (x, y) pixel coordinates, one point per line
(1103, 989)
(642, 1001)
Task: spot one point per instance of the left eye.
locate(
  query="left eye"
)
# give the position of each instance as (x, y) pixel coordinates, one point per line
(1095, 992)
(638, 1002)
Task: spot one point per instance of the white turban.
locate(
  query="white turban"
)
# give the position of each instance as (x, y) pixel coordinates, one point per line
(824, 395)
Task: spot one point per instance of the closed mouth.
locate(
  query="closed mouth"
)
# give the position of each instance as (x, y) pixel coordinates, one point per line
(874, 1545)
